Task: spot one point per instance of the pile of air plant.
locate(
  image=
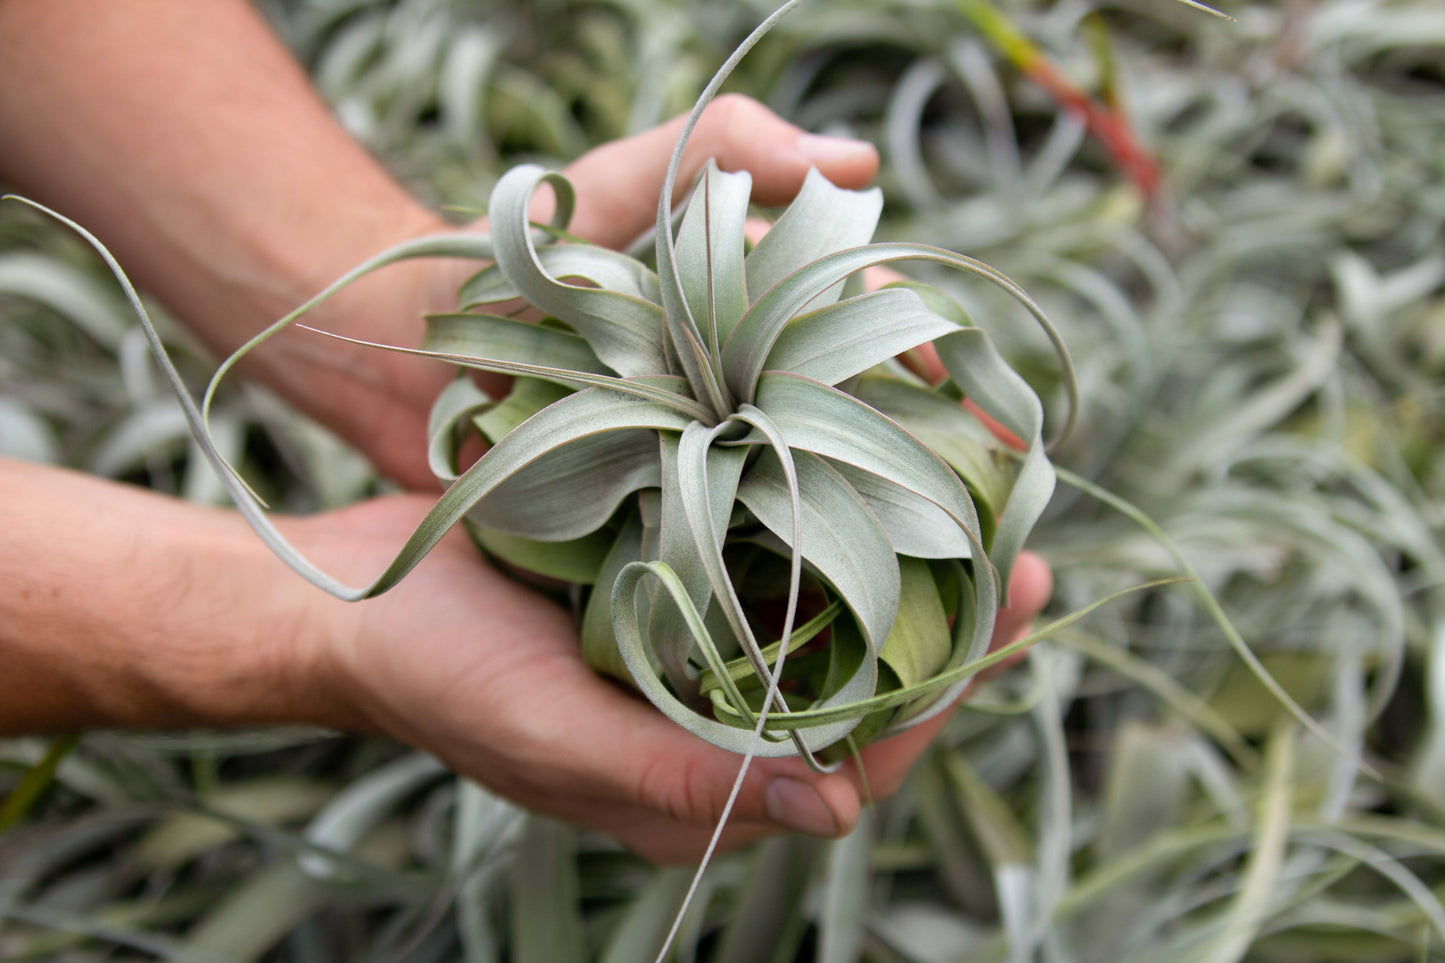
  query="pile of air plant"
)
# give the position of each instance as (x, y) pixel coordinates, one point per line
(1259, 374)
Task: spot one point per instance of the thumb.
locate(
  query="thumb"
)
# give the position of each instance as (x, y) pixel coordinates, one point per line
(617, 183)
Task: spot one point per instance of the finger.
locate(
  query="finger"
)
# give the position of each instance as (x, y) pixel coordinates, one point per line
(607, 746)
(617, 184)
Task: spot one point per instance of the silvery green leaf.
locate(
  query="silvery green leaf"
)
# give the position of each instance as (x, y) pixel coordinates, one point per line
(844, 911)
(710, 253)
(268, 800)
(903, 128)
(827, 422)
(662, 389)
(458, 245)
(1250, 907)
(67, 291)
(458, 402)
(527, 397)
(1177, 697)
(577, 560)
(841, 340)
(746, 351)
(1053, 669)
(642, 929)
(974, 363)
(573, 489)
(25, 435)
(546, 909)
(158, 426)
(951, 431)
(363, 804)
(841, 537)
(697, 470)
(576, 416)
(1146, 788)
(625, 332)
(768, 922)
(632, 646)
(485, 825)
(741, 668)
(605, 268)
(599, 645)
(489, 338)
(914, 525)
(821, 220)
(463, 79)
(919, 643)
(679, 550)
(682, 330)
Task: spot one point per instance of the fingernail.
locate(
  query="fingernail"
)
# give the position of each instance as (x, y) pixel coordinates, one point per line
(820, 149)
(798, 806)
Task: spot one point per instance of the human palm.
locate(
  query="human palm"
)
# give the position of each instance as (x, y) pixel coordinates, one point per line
(487, 674)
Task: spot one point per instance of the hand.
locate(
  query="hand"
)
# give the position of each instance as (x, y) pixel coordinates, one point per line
(464, 663)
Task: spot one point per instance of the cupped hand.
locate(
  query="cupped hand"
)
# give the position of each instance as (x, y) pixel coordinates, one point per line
(465, 663)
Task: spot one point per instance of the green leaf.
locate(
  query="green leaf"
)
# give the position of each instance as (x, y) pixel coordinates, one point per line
(485, 337)
(576, 560)
(546, 908)
(951, 431)
(841, 340)
(710, 254)
(605, 268)
(919, 644)
(974, 363)
(599, 644)
(841, 537)
(34, 782)
(572, 490)
(625, 332)
(459, 401)
(679, 549)
(746, 351)
(821, 220)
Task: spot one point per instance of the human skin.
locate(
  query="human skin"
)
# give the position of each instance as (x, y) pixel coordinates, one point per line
(189, 141)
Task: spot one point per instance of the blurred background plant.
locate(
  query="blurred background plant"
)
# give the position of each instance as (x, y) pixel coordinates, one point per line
(1238, 225)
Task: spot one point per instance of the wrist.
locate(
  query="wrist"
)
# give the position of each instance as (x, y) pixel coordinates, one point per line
(124, 609)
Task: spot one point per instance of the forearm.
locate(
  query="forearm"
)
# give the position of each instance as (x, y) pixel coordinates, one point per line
(187, 138)
(123, 609)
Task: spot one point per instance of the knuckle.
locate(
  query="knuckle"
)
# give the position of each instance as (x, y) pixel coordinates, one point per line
(732, 115)
(680, 790)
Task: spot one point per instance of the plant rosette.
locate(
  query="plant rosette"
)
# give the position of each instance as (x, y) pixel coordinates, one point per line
(725, 454)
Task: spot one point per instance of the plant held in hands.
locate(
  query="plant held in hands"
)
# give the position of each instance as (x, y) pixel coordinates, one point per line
(690, 442)
(700, 443)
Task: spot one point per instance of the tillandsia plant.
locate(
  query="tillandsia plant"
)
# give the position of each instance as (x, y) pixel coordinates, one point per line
(726, 434)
